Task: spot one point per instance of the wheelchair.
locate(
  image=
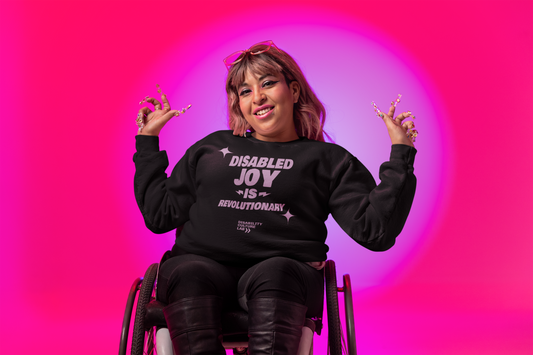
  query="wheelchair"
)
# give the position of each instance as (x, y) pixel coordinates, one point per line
(150, 336)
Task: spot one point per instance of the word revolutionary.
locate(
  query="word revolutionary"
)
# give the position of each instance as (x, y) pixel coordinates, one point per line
(260, 162)
(254, 206)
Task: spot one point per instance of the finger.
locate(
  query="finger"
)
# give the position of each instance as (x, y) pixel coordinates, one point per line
(402, 116)
(145, 111)
(167, 117)
(157, 104)
(154, 126)
(143, 114)
(408, 125)
(392, 109)
(389, 122)
(166, 104)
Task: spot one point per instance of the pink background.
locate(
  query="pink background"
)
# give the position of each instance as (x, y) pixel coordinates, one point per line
(459, 280)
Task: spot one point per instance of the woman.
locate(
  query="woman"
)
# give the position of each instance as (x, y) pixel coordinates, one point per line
(250, 205)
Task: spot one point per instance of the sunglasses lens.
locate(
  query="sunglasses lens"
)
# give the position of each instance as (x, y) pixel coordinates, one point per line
(261, 47)
(257, 48)
(233, 58)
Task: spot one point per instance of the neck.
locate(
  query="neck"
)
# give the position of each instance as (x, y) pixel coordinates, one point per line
(286, 137)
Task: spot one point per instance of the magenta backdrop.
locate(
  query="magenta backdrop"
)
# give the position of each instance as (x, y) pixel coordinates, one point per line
(459, 280)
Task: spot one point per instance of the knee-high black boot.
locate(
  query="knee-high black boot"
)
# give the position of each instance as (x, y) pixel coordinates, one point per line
(275, 326)
(194, 325)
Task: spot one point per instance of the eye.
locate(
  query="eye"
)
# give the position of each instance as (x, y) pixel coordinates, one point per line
(269, 83)
(244, 92)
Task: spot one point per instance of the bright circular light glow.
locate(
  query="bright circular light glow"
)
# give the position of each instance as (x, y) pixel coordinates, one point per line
(347, 71)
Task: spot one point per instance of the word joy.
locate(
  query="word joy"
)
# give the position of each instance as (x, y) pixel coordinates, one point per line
(251, 177)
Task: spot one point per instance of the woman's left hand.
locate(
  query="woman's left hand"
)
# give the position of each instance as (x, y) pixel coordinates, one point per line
(400, 131)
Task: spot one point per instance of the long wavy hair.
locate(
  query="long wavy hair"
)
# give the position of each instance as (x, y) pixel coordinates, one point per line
(309, 112)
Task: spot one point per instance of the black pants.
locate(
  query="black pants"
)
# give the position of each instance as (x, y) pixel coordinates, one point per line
(193, 275)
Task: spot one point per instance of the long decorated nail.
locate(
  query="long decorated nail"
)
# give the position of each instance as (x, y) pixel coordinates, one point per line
(412, 134)
(182, 110)
(397, 101)
(376, 109)
(144, 100)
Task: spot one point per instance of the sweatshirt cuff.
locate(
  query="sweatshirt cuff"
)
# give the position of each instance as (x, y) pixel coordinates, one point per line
(147, 143)
(404, 153)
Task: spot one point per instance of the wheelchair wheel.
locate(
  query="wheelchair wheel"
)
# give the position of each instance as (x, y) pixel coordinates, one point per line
(139, 331)
(127, 316)
(332, 303)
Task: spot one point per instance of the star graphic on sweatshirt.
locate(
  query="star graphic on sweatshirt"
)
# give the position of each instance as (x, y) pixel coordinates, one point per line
(288, 215)
(225, 151)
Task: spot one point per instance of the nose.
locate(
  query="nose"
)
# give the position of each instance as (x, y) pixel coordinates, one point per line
(258, 97)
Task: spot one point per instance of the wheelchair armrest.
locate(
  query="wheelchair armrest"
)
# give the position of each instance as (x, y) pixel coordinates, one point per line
(154, 316)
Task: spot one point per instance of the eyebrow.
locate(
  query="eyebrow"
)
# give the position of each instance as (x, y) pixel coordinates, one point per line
(260, 78)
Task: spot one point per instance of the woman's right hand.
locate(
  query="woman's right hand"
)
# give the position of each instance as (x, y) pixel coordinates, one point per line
(151, 122)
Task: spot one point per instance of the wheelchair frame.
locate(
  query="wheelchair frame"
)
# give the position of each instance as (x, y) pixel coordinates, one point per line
(144, 331)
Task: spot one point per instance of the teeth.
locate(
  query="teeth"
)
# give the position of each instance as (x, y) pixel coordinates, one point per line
(262, 112)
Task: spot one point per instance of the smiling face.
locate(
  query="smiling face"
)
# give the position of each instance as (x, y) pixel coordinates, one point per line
(267, 104)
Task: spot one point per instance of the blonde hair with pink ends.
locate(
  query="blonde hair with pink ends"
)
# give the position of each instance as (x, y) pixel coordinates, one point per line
(309, 112)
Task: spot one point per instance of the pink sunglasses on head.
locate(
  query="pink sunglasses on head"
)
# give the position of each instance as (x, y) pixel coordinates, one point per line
(236, 57)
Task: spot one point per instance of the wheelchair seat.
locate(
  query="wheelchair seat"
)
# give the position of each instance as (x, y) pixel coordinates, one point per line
(150, 321)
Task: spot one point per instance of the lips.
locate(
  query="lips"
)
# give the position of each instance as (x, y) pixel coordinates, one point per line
(262, 110)
(261, 115)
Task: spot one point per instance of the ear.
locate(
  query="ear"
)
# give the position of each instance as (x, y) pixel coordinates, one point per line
(294, 86)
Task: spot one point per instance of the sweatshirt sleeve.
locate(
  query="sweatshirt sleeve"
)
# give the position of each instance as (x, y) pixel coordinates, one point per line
(164, 201)
(375, 215)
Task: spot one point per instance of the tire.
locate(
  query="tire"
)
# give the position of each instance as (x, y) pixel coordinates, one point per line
(127, 317)
(348, 310)
(145, 296)
(332, 303)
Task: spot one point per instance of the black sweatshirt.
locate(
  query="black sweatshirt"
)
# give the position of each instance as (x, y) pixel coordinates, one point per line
(242, 200)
